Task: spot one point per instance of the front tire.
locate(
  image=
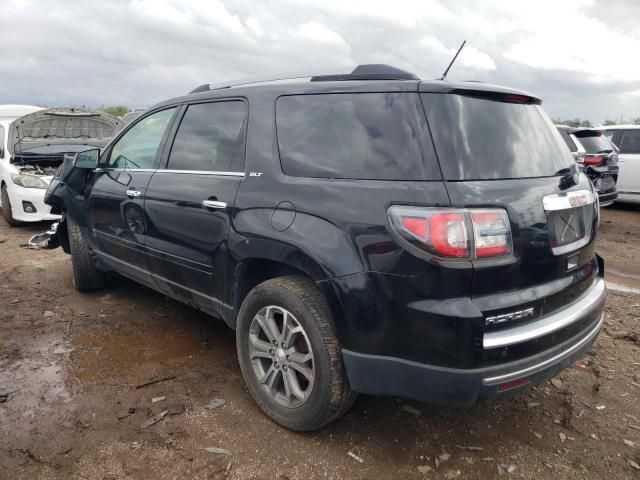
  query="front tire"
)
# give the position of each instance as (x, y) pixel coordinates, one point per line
(85, 275)
(289, 354)
(6, 209)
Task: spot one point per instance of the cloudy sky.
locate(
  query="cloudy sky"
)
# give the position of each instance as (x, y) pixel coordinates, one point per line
(580, 56)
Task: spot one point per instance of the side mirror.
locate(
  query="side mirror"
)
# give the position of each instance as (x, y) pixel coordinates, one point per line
(88, 159)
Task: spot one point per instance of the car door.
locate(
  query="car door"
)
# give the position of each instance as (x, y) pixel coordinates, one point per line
(189, 203)
(629, 162)
(115, 216)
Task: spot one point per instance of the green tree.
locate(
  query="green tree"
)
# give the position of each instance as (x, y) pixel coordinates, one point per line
(118, 110)
(635, 121)
(608, 121)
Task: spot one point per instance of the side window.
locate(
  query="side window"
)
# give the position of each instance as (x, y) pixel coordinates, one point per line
(367, 136)
(630, 141)
(138, 147)
(2, 141)
(210, 138)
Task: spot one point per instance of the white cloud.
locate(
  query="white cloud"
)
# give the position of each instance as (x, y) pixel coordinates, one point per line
(317, 32)
(573, 53)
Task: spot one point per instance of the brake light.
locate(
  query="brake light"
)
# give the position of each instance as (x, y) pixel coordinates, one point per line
(492, 233)
(594, 160)
(515, 98)
(452, 233)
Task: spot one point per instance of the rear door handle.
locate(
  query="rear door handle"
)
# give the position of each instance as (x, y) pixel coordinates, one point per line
(214, 204)
(133, 193)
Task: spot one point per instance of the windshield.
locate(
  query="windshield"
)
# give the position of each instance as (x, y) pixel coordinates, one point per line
(487, 139)
(595, 144)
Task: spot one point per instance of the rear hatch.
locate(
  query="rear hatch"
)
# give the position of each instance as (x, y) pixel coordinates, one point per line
(500, 150)
(40, 140)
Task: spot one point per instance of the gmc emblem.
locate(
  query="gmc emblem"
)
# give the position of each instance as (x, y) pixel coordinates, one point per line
(509, 317)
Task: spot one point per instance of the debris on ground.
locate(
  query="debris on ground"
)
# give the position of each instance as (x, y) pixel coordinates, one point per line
(158, 399)
(136, 445)
(157, 380)
(215, 403)
(424, 469)
(175, 409)
(533, 404)
(409, 409)
(629, 443)
(633, 464)
(556, 382)
(470, 448)
(452, 474)
(219, 451)
(48, 313)
(356, 457)
(537, 435)
(155, 419)
(563, 437)
(124, 414)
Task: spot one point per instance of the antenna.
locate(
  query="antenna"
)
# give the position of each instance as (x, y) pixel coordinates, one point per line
(453, 60)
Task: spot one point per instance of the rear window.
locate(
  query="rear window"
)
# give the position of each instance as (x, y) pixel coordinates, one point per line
(595, 143)
(630, 141)
(487, 139)
(375, 136)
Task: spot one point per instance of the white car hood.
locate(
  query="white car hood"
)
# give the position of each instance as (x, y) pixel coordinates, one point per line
(62, 126)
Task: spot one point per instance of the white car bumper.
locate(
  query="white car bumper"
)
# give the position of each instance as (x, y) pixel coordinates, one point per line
(19, 196)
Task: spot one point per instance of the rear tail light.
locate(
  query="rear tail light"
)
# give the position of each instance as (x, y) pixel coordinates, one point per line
(455, 234)
(593, 160)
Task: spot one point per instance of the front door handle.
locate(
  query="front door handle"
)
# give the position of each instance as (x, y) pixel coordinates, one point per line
(214, 204)
(133, 193)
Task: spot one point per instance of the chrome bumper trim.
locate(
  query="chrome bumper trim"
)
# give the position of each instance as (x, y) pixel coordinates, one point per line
(490, 381)
(590, 300)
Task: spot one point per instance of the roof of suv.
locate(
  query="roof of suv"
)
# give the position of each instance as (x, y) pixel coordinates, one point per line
(365, 78)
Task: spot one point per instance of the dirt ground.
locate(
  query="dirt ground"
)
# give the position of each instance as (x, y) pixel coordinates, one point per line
(72, 405)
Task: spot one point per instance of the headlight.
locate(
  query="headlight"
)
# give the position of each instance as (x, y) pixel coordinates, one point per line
(28, 181)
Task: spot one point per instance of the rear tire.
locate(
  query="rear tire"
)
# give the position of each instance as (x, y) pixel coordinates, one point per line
(85, 275)
(6, 209)
(297, 301)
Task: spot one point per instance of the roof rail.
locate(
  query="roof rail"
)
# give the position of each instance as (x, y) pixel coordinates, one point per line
(374, 71)
(361, 72)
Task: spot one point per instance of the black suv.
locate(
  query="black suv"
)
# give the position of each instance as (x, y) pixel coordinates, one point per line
(366, 232)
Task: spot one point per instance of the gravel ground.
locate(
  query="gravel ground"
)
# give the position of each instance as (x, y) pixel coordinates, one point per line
(73, 400)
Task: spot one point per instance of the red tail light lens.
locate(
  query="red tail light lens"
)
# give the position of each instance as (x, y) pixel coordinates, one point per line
(594, 160)
(455, 234)
(449, 235)
(492, 233)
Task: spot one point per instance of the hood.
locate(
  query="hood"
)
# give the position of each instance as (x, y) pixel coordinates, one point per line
(62, 126)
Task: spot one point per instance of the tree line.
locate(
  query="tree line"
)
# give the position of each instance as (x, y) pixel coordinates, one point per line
(578, 122)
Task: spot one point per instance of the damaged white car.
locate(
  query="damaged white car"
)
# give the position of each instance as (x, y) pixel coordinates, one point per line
(32, 148)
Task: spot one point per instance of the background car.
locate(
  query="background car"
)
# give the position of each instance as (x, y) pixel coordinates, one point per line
(627, 139)
(34, 142)
(598, 156)
(129, 117)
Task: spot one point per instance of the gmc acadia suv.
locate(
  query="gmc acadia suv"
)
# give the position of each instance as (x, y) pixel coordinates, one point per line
(366, 232)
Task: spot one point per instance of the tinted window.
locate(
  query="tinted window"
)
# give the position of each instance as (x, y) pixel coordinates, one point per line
(210, 138)
(138, 147)
(485, 139)
(567, 139)
(1, 142)
(630, 141)
(595, 143)
(359, 136)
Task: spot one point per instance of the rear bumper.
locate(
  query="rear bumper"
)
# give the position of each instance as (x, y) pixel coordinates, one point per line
(607, 199)
(388, 376)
